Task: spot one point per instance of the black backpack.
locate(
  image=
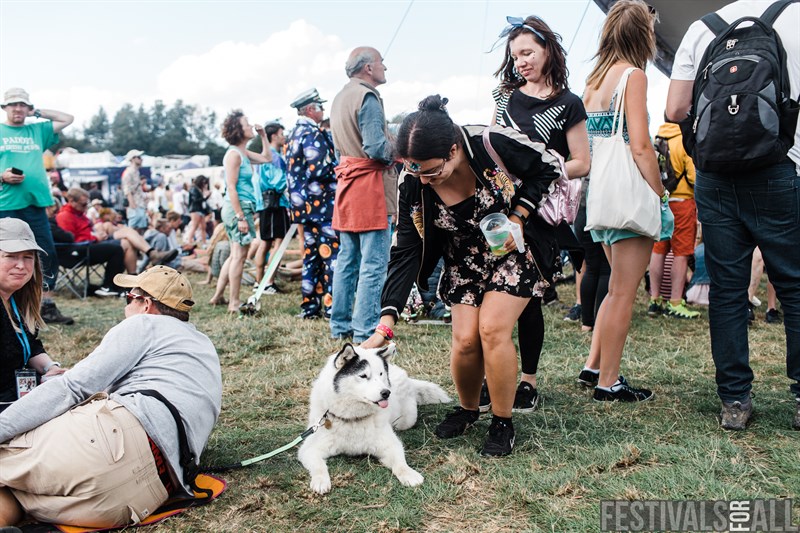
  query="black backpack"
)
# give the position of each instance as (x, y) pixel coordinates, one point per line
(668, 177)
(742, 115)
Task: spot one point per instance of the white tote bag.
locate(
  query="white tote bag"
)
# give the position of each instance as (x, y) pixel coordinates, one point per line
(619, 197)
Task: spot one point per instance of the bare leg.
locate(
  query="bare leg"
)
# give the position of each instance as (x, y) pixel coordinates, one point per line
(629, 261)
(131, 256)
(657, 274)
(756, 271)
(466, 355)
(194, 225)
(497, 316)
(133, 237)
(772, 299)
(222, 282)
(261, 259)
(680, 265)
(275, 245)
(235, 269)
(10, 511)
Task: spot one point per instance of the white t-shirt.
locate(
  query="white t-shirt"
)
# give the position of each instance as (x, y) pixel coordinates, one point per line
(179, 200)
(698, 37)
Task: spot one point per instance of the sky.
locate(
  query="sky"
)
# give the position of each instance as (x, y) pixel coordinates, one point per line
(257, 55)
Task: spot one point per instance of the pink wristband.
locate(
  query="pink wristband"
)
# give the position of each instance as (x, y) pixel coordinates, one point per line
(386, 331)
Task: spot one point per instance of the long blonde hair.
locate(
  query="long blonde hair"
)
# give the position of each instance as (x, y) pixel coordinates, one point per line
(29, 300)
(627, 36)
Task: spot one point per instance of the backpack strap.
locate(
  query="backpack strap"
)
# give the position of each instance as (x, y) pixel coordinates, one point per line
(774, 11)
(187, 458)
(493, 153)
(715, 23)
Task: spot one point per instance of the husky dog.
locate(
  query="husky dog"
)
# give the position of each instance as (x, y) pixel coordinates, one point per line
(362, 397)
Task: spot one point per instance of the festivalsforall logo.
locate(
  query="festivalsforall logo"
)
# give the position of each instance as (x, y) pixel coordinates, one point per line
(697, 515)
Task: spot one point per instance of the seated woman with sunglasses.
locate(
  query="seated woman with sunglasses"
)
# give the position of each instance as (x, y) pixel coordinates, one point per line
(450, 184)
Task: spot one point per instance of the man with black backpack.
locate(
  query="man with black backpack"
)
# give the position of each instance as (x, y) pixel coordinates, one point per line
(735, 85)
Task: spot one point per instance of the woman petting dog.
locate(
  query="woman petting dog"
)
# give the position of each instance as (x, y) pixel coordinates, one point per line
(451, 183)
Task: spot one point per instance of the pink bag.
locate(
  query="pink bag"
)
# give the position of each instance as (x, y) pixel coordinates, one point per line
(561, 204)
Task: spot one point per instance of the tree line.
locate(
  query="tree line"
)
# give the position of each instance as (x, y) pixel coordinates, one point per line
(159, 131)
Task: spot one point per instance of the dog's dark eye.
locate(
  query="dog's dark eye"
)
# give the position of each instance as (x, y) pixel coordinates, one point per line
(363, 376)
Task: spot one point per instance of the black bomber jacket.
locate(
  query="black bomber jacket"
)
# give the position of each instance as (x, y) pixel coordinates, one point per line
(420, 244)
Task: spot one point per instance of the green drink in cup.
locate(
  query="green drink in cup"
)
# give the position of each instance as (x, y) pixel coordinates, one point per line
(495, 228)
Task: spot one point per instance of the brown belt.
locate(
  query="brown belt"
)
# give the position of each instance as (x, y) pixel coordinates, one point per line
(163, 467)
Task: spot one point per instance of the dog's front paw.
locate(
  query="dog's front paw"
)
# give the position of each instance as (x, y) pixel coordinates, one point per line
(322, 484)
(410, 477)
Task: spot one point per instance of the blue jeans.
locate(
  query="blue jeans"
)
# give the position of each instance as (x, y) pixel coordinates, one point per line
(738, 213)
(36, 217)
(359, 275)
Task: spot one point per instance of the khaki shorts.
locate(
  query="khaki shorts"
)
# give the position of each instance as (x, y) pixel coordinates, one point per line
(91, 466)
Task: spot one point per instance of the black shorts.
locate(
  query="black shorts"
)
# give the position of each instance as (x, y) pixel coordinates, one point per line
(273, 223)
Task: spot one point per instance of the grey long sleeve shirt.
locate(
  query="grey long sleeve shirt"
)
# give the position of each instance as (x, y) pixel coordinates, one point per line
(142, 352)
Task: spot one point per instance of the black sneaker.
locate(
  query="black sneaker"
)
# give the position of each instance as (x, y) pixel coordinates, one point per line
(51, 315)
(574, 313)
(526, 399)
(773, 316)
(624, 393)
(485, 402)
(456, 423)
(587, 378)
(500, 440)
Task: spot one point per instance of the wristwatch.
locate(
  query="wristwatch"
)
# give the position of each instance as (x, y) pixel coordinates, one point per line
(47, 368)
(37, 113)
(240, 218)
(522, 217)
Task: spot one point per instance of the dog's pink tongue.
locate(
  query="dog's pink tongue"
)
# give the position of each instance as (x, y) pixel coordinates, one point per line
(383, 404)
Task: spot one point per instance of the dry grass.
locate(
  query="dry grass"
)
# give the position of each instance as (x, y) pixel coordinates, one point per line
(570, 454)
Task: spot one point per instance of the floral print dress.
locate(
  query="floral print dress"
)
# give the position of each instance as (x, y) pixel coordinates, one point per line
(471, 270)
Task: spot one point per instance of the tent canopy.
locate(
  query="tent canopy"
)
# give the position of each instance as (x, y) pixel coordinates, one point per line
(675, 17)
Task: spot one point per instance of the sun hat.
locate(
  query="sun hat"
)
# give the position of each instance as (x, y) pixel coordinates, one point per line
(16, 95)
(163, 283)
(16, 236)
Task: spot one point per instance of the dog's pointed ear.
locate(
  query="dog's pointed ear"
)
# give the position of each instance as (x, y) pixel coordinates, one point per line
(388, 351)
(345, 355)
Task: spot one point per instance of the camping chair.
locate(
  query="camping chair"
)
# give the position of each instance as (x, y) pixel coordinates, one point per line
(75, 269)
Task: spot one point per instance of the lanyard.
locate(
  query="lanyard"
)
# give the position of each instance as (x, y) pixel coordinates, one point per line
(22, 336)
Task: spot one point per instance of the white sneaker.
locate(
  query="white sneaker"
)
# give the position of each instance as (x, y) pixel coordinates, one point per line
(105, 292)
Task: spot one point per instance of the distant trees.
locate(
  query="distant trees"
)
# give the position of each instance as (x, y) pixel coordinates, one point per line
(160, 130)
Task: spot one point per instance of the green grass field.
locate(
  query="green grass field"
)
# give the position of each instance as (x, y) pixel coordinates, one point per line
(569, 454)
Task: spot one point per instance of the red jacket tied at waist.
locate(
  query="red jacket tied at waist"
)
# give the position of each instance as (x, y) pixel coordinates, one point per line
(360, 203)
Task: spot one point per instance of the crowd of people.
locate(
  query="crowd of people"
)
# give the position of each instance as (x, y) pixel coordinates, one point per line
(155, 377)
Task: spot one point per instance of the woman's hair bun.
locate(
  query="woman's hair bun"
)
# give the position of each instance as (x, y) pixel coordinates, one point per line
(434, 103)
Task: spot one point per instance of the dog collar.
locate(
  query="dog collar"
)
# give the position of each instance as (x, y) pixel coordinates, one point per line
(330, 415)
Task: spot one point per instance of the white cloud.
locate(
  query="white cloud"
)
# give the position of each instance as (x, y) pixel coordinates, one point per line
(261, 78)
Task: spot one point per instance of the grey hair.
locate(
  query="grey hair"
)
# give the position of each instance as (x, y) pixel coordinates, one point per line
(354, 65)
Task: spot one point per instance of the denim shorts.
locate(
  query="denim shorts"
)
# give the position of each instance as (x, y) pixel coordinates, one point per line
(232, 224)
(610, 236)
(137, 218)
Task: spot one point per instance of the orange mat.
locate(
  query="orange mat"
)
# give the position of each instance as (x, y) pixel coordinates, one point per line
(170, 508)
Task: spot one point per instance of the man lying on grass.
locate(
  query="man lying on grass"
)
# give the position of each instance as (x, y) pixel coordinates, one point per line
(99, 446)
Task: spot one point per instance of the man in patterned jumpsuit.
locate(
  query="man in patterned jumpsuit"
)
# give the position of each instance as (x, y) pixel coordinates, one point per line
(312, 189)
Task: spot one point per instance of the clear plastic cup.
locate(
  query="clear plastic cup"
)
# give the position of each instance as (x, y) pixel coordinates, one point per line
(496, 228)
